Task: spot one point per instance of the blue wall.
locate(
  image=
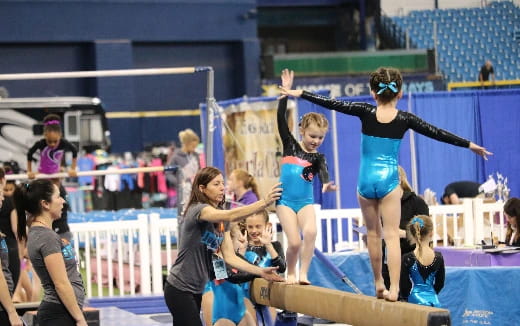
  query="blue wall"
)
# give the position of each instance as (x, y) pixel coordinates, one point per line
(43, 36)
(487, 117)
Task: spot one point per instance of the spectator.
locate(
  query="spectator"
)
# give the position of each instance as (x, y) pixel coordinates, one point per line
(512, 212)
(486, 71)
(460, 189)
(411, 205)
(187, 159)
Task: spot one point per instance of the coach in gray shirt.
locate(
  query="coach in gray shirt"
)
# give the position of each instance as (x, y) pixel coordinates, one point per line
(52, 258)
(204, 242)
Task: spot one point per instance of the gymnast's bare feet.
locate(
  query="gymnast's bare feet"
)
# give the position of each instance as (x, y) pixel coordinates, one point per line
(381, 290)
(392, 295)
(304, 281)
(291, 279)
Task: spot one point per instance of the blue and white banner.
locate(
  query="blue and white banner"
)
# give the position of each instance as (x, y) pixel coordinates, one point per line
(352, 86)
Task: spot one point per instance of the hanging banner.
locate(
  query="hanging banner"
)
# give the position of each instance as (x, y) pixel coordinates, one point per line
(251, 140)
(352, 86)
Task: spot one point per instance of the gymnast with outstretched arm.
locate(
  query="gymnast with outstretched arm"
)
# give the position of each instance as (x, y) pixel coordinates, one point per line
(383, 127)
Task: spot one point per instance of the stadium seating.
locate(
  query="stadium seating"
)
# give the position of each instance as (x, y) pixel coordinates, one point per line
(466, 38)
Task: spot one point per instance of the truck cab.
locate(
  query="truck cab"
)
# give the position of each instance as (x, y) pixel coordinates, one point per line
(83, 121)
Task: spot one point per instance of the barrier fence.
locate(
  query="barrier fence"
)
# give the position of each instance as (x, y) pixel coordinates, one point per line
(134, 254)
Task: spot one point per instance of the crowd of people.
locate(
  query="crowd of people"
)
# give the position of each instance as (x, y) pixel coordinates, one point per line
(224, 243)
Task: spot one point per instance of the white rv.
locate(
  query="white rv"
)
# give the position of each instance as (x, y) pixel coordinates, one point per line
(84, 124)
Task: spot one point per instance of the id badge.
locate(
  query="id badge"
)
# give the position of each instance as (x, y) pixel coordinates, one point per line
(219, 267)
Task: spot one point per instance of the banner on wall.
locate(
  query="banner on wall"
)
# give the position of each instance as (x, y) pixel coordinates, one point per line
(352, 86)
(251, 141)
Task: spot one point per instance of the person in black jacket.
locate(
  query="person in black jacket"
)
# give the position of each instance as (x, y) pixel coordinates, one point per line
(459, 189)
(411, 205)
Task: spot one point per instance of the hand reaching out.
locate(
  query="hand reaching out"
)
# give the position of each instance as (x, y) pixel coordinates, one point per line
(269, 274)
(273, 194)
(479, 150)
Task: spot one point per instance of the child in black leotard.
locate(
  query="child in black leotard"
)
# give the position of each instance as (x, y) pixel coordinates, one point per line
(300, 163)
(422, 270)
(263, 252)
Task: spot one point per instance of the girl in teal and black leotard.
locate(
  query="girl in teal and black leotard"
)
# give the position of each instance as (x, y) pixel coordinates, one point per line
(301, 162)
(383, 127)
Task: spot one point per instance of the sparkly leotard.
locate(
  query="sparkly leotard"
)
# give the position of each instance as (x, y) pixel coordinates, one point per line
(420, 284)
(228, 302)
(298, 167)
(258, 255)
(380, 142)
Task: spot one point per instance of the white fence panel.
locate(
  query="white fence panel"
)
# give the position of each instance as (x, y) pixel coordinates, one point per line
(160, 229)
(137, 253)
(102, 242)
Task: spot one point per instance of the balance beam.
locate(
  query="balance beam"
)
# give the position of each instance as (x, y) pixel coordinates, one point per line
(345, 307)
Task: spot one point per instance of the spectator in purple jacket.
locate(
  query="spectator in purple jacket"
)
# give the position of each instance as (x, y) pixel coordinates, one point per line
(243, 186)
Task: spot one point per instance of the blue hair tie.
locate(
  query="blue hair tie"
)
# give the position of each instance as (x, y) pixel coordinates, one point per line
(418, 220)
(382, 87)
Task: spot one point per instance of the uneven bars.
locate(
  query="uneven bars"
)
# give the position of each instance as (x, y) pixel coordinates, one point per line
(104, 73)
(148, 169)
(136, 72)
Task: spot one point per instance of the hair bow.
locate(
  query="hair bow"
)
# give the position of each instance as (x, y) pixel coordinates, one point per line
(418, 220)
(382, 87)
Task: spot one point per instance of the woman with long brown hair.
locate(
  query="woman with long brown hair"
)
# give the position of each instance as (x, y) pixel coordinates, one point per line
(205, 246)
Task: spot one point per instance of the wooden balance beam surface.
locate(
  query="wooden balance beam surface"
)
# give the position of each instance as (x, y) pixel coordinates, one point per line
(345, 307)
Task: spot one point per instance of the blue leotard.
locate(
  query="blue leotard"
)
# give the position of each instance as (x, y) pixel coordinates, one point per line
(420, 284)
(298, 167)
(380, 142)
(228, 302)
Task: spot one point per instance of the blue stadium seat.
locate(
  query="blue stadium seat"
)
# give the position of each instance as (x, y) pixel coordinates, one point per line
(467, 37)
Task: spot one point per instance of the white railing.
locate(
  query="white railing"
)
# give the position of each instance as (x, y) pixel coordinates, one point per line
(136, 254)
(162, 259)
(333, 234)
(441, 216)
(494, 213)
(118, 250)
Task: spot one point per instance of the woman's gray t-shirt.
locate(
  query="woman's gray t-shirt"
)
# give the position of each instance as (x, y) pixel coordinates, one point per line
(197, 242)
(42, 242)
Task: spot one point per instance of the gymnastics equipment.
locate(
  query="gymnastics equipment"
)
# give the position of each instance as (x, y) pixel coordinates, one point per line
(210, 100)
(345, 307)
(149, 169)
(334, 269)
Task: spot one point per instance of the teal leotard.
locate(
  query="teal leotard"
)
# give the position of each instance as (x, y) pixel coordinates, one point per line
(380, 142)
